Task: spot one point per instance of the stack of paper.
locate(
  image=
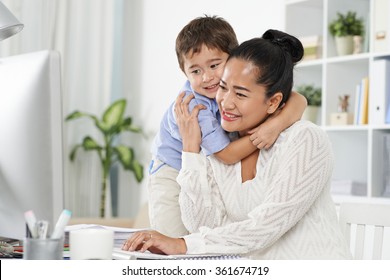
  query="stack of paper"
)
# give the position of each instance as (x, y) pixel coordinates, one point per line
(119, 254)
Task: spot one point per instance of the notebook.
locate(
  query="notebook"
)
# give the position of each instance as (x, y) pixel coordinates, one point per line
(119, 254)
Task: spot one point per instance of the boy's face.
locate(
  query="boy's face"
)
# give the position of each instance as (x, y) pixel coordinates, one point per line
(204, 70)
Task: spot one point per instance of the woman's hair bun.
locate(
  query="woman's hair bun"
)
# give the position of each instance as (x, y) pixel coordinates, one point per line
(288, 42)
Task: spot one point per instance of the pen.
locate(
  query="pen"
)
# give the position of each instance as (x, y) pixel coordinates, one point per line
(31, 223)
(42, 229)
(61, 224)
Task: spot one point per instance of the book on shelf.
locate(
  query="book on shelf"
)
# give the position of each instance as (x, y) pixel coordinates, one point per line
(358, 100)
(379, 92)
(364, 104)
(361, 102)
(119, 254)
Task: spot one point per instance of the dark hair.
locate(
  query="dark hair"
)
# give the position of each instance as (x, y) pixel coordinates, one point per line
(275, 55)
(212, 31)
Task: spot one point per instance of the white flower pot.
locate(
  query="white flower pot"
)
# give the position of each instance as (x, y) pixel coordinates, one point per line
(311, 113)
(344, 45)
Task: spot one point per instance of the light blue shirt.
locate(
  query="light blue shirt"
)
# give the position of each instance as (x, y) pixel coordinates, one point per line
(167, 146)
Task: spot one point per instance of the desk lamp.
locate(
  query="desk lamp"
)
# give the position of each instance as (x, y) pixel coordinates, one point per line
(9, 25)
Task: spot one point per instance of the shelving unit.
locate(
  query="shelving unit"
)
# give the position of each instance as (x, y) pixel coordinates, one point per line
(358, 149)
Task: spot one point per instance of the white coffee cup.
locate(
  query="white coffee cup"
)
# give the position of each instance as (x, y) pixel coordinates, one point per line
(91, 244)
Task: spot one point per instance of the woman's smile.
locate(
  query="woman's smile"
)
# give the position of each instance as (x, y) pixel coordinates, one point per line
(229, 117)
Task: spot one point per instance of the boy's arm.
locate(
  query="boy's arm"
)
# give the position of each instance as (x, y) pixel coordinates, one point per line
(265, 135)
(236, 150)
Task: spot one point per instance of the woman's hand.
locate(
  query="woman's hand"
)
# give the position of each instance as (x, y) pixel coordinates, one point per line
(155, 242)
(188, 123)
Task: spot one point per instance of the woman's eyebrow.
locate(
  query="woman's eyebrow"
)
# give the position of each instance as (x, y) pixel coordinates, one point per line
(241, 88)
(236, 87)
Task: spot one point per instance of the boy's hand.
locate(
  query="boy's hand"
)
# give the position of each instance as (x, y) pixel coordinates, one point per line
(265, 135)
(188, 123)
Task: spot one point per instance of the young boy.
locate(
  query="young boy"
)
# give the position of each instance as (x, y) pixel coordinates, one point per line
(202, 48)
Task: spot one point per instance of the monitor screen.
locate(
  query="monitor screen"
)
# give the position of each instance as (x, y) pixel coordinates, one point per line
(31, 153)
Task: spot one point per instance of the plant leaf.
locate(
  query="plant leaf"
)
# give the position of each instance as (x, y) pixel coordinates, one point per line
(74, 115)
(90, 144)
(103, 127)
(134, 129)
(127, 121)
(125, 155)
(126, 125)
(114, 113)
(126, 158)
(138, 170)
(77, 115)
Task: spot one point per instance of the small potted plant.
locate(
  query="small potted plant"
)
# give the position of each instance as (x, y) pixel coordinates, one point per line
(347, 29)
(313, 97)
(111, 125)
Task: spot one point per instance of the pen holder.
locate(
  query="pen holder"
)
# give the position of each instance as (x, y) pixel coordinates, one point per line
(43, 249)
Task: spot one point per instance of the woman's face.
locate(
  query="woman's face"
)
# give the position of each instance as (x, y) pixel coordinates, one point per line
(242, 103)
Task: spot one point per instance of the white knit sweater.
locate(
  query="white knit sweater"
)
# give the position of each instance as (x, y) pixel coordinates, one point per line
(285, 212)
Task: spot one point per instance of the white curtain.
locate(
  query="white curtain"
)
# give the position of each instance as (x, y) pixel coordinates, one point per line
(82, 31)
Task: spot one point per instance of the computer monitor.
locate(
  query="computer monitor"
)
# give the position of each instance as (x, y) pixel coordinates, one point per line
(31, 153)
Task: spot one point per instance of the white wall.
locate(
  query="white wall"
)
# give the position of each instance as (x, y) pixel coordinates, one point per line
(154, 78)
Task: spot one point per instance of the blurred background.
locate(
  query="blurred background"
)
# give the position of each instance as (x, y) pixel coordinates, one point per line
(113, 49)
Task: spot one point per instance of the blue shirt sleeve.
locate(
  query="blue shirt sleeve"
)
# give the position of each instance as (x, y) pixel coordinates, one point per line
(214, 138)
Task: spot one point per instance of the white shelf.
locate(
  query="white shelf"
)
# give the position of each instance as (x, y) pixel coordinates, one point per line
(359, 149)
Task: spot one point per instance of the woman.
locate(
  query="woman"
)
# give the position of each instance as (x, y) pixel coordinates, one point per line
(274, 204)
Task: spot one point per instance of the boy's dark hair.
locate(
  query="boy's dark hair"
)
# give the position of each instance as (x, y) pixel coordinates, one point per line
(212, 31)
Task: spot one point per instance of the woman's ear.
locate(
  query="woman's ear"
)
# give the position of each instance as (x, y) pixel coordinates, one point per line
(273, 102)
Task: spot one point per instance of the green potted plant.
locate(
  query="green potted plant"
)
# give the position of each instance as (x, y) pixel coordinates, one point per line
(344, 28)
(111, 125)
(313, 97)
